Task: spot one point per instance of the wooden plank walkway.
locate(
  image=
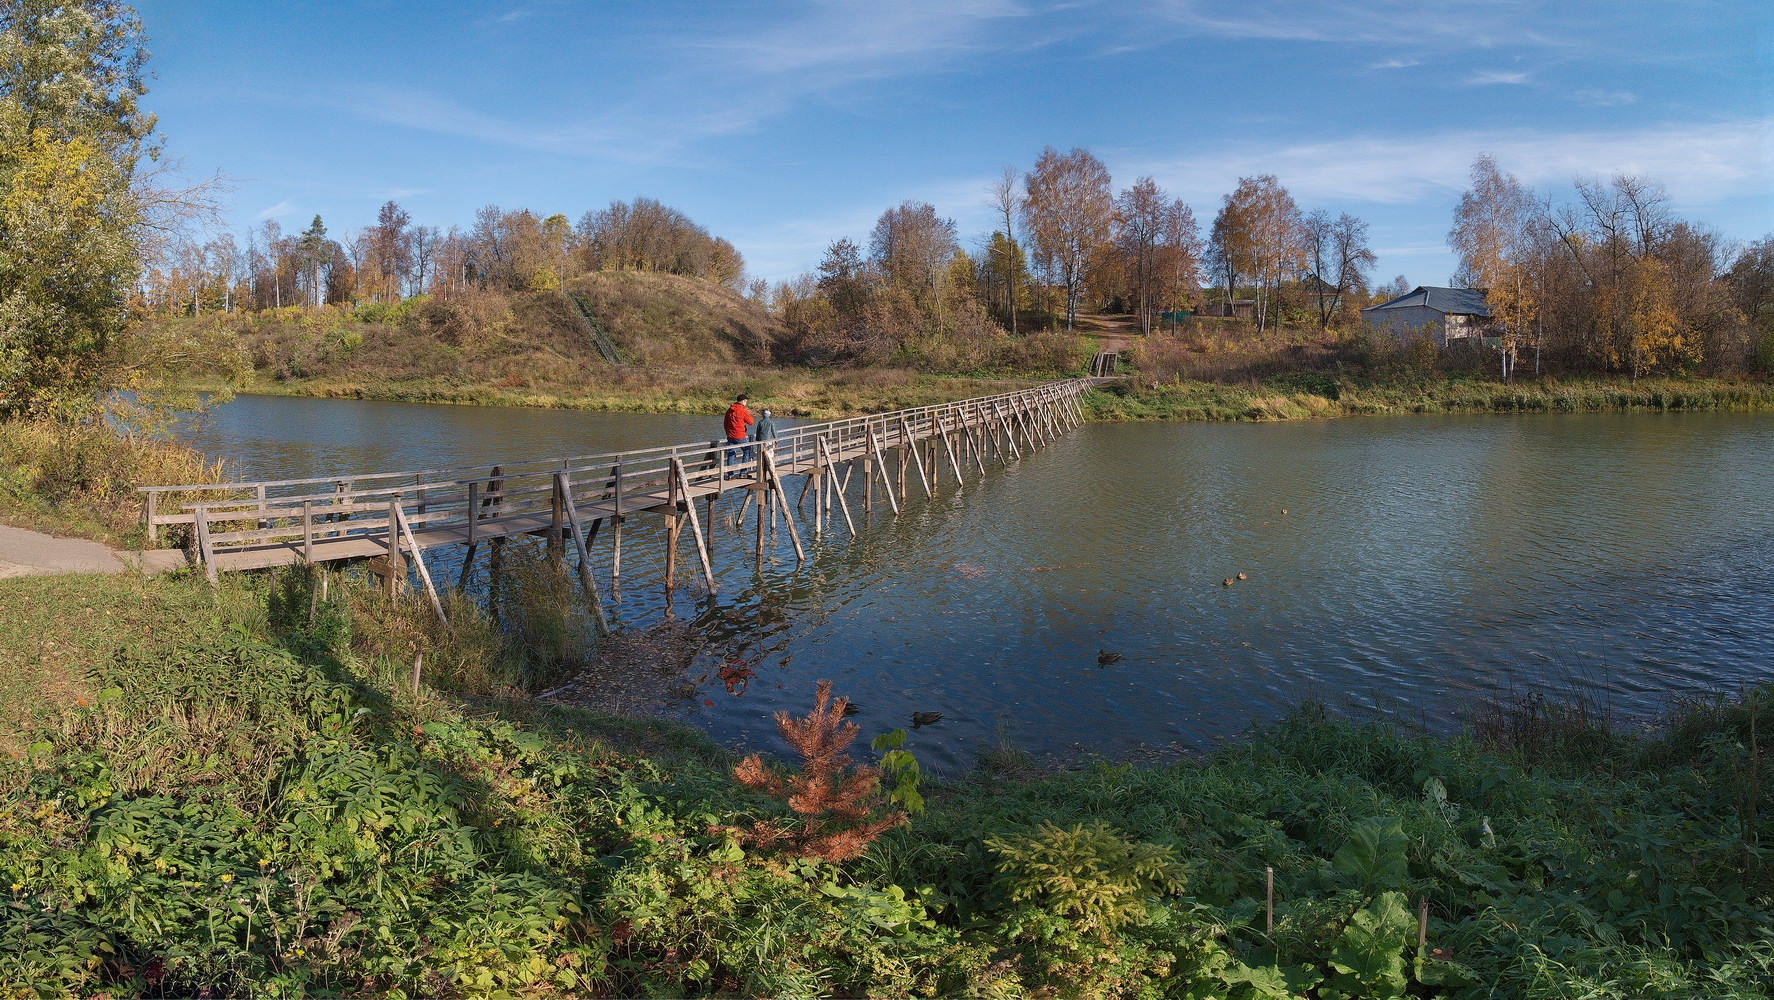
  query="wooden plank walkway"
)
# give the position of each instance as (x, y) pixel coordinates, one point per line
(391, 518)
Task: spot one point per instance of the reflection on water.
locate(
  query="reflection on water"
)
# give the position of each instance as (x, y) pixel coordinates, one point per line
(1405, 566)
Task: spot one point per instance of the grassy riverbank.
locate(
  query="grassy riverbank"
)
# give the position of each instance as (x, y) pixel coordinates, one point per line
(1310, 395)
(80, 478)
(236, 792)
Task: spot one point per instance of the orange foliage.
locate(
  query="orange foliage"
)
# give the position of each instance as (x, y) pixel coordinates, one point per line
(837, 803)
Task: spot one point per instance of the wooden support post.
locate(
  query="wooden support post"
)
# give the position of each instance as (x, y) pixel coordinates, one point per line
(842, 502)
(787, 516)
(394, 576)
(1269, 901)
(881, 462)
(1008, 433)
(673, 498)
(149, 507)
(341, 497)
(205, 550)
(977, 449)
(758, 545)
(406, 530)
(307, 532)
(683, 481)
(557, 535)
(911, 449)
(948, 446)
(564, 490)
(616, 521)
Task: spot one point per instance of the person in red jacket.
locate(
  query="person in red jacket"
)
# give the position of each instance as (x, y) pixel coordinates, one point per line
(737, 420)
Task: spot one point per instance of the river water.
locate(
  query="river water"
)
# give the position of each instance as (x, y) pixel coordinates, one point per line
(1407, 567)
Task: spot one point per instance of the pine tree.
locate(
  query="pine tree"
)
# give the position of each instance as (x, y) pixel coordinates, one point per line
(840, 806)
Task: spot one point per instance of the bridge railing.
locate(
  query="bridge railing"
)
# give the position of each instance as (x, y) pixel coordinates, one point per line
(461, 503)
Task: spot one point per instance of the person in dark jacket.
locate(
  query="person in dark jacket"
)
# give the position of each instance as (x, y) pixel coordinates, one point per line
(765, 430)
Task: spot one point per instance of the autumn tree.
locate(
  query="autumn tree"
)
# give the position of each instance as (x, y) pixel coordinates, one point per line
(1068, 212)
(912, 246)
(1491, 238)
(1004, 253)
(1624, 245)
(843, 278)
(1338, 254)
(71, 136)
(1751, 284)
(1158, 247)
(1260, 227)
(389, 249)
(1004, 275)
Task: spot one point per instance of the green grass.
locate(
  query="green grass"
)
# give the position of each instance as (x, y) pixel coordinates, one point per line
(1310, 395)
(236, 792)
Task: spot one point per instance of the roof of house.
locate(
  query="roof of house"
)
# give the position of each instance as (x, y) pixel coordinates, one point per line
(1454, 301)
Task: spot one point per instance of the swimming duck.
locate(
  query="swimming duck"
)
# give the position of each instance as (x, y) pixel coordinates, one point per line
(851, 708)
(925, 719)
(1104, 657)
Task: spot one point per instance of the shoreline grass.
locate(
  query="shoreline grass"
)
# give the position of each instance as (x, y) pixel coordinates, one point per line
(1314, 396)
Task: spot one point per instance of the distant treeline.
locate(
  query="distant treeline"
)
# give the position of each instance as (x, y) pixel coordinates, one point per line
(267, 268)
(1611, 280)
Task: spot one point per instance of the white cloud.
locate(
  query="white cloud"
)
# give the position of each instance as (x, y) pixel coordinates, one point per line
(859, 40)
(1605, 98)
(1395, 63)
(1700, 164)
(277, 211)
(1487, 77)
(1458, 23)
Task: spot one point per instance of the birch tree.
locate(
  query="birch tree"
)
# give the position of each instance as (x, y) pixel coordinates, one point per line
(1067, 212)
(1492, 237)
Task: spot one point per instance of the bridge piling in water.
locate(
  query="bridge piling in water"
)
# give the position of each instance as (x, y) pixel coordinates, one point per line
(395, 521)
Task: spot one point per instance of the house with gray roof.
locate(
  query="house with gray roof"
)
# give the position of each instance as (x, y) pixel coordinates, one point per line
(1448, 315)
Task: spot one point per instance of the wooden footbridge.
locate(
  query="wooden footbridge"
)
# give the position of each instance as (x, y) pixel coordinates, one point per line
(395, 519)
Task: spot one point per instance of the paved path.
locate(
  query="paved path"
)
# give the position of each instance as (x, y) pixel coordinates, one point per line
(32, 553)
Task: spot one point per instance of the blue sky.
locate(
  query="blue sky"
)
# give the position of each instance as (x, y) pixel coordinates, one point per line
(782, 126)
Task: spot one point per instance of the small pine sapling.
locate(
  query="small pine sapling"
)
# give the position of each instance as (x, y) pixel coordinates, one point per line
(840, 806)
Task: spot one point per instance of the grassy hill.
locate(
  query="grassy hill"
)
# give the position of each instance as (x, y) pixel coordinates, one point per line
(530, 338)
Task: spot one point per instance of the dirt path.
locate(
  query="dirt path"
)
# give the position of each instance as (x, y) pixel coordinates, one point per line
(1115, 333)
(33, 553)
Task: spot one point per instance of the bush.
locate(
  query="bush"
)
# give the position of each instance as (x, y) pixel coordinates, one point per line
(82, 477)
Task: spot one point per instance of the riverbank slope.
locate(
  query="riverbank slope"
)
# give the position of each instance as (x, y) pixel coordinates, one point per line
(239, 791)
